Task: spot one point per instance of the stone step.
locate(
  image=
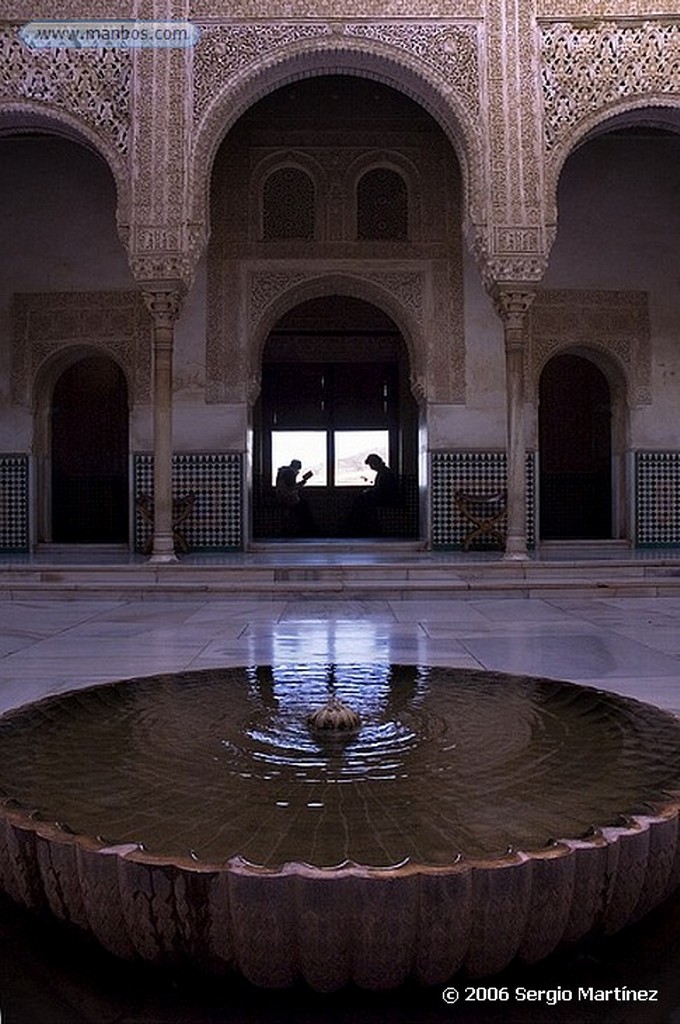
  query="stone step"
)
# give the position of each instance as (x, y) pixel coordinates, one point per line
(293, 577)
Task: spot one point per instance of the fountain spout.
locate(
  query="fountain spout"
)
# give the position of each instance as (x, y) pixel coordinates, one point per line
(334, 716)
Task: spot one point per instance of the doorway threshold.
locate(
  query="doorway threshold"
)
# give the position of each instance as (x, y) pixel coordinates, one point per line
(603, 548)
(82, 554)
(340, 545)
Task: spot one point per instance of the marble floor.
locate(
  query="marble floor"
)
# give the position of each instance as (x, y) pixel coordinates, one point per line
(627, 645)
(630, 646)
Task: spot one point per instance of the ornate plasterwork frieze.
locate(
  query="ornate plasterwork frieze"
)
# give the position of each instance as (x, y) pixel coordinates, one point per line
(561, 9)
(92, 85)
(226, 50)
(512, 244)
(162, 253)
(267, 285)
(593, 67)
(301, 9)
(449, 51)
(511, 253)
(47, 325)
(615, 324)
(34, 10)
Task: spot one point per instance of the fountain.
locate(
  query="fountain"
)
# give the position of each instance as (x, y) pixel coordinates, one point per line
(419, 822)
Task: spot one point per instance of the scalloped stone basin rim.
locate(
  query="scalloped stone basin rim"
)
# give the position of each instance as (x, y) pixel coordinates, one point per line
(376, 927)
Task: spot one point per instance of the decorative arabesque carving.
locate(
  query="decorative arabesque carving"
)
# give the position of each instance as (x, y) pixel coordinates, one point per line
(422, 9)
(32, 10)
(266, 286)
(226, 50)
(163, 245)
(451, 51)
(509, 241)
(614, 323)
(48, 324)
(416, 280)
(561, 9)
(448, 50)
(90, 84)
(510, 254)
(586, 68)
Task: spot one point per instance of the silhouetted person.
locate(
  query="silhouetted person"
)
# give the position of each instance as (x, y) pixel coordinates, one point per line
(288, 495)
(384, 491)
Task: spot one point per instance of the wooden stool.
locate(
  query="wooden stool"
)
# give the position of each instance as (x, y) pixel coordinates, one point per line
(486, 512)
(181, 510)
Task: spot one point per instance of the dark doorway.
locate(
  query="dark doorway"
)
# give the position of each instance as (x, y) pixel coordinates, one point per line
(575, 450)
(90, 454)
(334, 390)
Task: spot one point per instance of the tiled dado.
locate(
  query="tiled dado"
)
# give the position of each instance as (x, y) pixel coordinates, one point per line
(478, 473)
(657, 499)
(217, 481)
(14, 505)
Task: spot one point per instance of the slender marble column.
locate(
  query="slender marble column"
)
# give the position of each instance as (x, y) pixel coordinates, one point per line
(512, 304)
(164, 307)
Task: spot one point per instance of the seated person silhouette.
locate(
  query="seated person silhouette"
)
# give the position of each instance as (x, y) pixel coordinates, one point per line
(384, 491)
(287, 488)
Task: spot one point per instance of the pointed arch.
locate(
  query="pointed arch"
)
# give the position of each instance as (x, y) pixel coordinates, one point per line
(406, 74)
(344, 285)
(658, 111)
(20, 116)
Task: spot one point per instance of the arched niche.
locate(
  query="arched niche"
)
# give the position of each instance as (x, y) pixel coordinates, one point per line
(582, 440)
(335, 389)
(401, 71)
(81, 448)
(29, 118)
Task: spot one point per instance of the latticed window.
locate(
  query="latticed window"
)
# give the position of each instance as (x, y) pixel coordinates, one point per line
(382, 205)
(288, 205)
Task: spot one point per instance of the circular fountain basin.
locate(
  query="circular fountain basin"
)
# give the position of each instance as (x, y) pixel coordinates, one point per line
(472, 818)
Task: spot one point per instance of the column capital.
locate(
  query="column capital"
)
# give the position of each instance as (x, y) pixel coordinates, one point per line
(163, 301)
(512, 302)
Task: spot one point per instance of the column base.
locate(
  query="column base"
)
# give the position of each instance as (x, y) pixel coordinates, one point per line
(163, 558)
(515, 550)
(163, 550)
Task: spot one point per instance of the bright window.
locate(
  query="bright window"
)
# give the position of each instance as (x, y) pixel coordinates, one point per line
(308, 446)
(348, 451)
(351, 449)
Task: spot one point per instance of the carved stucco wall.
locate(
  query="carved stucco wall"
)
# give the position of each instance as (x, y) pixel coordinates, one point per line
(85, 94)
(593, 72)
(48, 327)
(418, 283)
(515, 85)
(613, 323)
(437, 64)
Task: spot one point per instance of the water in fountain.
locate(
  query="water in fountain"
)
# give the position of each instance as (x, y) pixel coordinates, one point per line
(223, 763)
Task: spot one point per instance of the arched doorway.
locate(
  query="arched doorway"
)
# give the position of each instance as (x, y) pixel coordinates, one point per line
(575, 447)
(89, 453)
(334, 390)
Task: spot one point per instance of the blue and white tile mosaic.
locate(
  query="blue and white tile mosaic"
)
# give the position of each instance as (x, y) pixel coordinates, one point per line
(14, 503)
(215, 522)
(482, 474)
(657, 499)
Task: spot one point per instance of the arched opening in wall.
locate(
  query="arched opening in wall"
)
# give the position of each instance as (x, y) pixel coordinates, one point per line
(335, 390)
(343, 186)
(89, 453)
(575, 451)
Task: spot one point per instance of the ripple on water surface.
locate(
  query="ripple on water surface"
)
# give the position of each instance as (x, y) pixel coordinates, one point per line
(223, 764)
